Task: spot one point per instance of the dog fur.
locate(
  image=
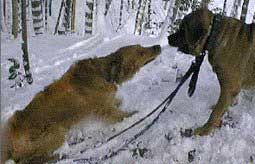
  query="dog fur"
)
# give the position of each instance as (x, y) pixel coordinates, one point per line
(87, 88)
(232, 56)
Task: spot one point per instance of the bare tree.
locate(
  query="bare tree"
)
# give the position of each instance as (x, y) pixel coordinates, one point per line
(131, 4)
(107, 6)
(37, 16)
(46, 9)
(140, 17)
(59, 16)
(253, 18)
(234, 12)
(67, 15)
(121, 12)
(149, 15)
(3, 15)
(50, 8)
(225, 7)
(89, 17)
(169, 20)
(24, 44)
(205, 3)
(4, 8)
(73, 16)
(8, 16)
(244, 10)
(95, 16)
(15, 18)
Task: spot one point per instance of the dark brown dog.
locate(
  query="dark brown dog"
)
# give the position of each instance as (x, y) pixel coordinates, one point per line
(87, 88)
(231, 48)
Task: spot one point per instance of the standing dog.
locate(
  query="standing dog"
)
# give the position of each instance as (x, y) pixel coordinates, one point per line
(231, 48)
(87, 88)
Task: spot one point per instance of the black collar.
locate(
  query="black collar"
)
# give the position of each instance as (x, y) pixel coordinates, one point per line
(214, 30)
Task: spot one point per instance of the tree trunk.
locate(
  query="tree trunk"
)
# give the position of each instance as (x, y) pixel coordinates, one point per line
(121, 12)
(234, 12)
(175, 11)
(170, 18)
(107, 6)
(253, 18)
(225, 7)
(128, 4)
(95, 16)
(37, 16)
(24, 44)
(67, 15)
(59, 16)
(140, 17)
(50, 8)
(4, 8)
(89, 17)
(244, 10)
(2, 15)
(205, 3)
(9, 16)
(149, 14)
(4, 12)
(194, 5)
(46, 15)
(133, 4)
(15, 18)
(73, 16)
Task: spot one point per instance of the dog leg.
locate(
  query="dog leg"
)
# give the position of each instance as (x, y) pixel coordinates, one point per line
(226, 98)
(215, 117)
(114, 115)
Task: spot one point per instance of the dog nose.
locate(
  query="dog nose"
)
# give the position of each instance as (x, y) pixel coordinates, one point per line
(156, 48)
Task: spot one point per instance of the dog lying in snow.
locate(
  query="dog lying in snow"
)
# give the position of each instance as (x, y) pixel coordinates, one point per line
(231, 48)
(87, 88)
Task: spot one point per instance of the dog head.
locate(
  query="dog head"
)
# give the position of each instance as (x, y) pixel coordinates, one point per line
(128, 60)
(193, 31)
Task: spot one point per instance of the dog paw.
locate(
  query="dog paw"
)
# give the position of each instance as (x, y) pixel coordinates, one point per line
(204, 130)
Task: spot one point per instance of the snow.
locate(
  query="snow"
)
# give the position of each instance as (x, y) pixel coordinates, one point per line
(51, 56)
(144, 92)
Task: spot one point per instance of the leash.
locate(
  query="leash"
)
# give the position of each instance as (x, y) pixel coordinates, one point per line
(194, 71)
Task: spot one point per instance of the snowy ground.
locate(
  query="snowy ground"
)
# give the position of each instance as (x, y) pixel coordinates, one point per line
(52, 55)
(233, 143)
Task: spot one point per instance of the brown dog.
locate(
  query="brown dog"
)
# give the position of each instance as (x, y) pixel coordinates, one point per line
(231, 49)
(87, 88)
